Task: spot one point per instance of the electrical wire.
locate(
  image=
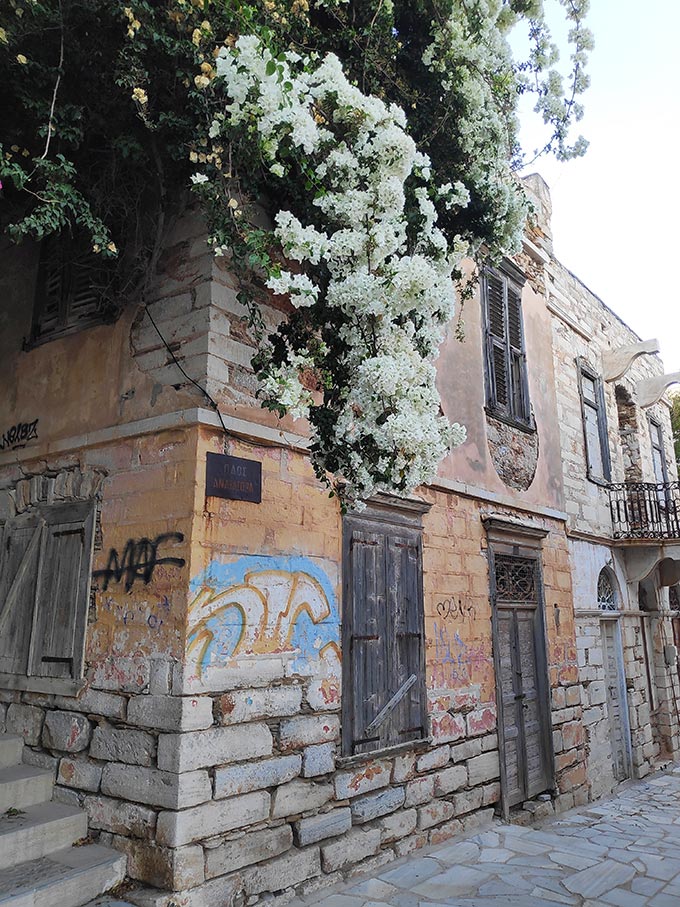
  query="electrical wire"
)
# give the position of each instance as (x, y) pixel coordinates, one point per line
(205, 393)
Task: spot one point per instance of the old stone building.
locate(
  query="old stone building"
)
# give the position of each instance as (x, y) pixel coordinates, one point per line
(244, 692)
(622, 499)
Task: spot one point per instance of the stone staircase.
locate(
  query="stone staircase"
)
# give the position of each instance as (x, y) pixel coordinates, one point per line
(39, 864)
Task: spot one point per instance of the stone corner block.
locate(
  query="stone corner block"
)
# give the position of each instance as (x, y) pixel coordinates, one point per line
(171, 713)
(215, 746)
(155, 787)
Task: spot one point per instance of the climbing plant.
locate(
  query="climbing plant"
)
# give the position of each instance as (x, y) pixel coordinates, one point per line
(380, 135)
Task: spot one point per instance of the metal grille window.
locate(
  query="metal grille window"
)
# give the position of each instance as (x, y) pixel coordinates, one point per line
(507, 388)
(594, 425)
(515, 580)
(383, 698)
(71, 291)
(606, 593)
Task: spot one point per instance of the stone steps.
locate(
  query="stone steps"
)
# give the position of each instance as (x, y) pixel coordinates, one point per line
(67, 878)
(38, 831)
(24, 785)
(39, 867)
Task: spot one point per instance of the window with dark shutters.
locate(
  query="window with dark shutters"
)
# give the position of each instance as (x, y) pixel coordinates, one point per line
(383, 699)
(507, 393)
(73, 288)
(45, 565)
(598, 460)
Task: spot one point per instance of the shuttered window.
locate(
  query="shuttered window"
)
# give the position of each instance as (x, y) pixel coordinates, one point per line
(594, 425)
(507, 390)
(72, 288)
(384, 702)
(45, 564)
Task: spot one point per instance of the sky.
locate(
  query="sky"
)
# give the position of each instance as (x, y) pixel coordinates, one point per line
(616, 211)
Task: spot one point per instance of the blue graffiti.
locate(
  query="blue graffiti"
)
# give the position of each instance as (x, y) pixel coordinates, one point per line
(225, 629)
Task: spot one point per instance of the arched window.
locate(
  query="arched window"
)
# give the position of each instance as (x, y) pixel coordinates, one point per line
(607, 599)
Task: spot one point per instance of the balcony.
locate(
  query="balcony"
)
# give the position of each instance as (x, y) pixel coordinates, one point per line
(645, 510)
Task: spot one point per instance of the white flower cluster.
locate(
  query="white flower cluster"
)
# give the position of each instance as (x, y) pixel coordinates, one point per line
(381, 268)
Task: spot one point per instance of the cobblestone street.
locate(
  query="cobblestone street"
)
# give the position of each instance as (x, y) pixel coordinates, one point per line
(622, 851)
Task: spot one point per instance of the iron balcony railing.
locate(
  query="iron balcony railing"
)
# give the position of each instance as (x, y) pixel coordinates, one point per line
(645, 510)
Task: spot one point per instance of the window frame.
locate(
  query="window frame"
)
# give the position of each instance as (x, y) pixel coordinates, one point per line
(390, 517)
(585, 370)
(512, 278)
(655, 423)
(62, 252)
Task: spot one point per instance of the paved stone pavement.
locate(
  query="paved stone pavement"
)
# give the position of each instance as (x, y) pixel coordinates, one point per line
(623, 851)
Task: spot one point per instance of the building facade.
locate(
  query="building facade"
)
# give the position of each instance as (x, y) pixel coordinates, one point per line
(248, 692)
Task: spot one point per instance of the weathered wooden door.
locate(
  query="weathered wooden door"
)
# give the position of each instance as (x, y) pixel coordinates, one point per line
(616, 704)
(384, 700)
(521, 680)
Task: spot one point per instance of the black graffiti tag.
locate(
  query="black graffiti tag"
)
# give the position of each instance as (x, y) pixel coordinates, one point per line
(19, 435)
(451, 608)
(139, 560)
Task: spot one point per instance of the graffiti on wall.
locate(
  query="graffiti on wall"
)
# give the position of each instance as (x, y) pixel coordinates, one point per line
(456, 609)
(456, 663)
(261, 605)
(138, 561)
(19, 435)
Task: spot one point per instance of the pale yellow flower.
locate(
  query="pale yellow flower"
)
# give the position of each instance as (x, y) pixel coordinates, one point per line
(22, 59)
(139, 95)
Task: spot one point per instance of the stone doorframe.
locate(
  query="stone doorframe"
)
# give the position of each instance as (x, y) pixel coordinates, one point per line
(507, 537)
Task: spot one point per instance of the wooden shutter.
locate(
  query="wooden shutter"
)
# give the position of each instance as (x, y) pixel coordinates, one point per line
(384, 700)
(60, 614)
(365, 640)
(19, 560)
(50, 294)
(406, 643)
(69, 292)
(499, 394)
(516, 349)
(84, 289)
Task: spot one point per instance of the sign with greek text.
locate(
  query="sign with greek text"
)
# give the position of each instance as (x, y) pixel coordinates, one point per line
(233, 478)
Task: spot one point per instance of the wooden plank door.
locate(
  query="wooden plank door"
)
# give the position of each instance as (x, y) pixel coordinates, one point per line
(533, 702)
(510, 687)
(615, 705)
(521, 681)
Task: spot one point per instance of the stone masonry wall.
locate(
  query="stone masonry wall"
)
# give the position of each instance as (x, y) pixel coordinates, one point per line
(599, 330)
(240, 788)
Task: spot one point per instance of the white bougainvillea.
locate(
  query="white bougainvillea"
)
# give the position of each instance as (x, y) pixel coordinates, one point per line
(380, 267)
